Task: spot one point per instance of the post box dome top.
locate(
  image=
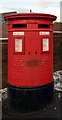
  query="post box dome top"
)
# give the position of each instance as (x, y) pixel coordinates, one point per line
(30, 15)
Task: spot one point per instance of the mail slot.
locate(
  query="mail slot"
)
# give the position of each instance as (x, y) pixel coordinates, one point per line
(30, 61)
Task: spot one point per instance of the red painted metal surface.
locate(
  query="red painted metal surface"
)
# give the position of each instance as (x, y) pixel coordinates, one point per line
(32, 66)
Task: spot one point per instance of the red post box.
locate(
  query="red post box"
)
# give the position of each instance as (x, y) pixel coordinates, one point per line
(30, 60)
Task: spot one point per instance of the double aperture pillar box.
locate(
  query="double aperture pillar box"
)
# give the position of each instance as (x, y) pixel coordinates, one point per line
(30, 61)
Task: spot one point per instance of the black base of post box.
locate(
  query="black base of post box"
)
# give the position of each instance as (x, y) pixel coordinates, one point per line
(29, 99)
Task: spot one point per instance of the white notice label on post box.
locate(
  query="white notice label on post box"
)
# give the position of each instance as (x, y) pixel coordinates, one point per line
(18, 45)
(44, 33)
(18, 33)
(45, 44)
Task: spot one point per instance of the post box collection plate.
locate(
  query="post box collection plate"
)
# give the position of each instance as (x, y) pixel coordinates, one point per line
(18, 33)
(44, 33)
(45, 44)
(18, 45)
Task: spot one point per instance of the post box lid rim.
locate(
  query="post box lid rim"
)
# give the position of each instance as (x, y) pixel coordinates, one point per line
(30, 15)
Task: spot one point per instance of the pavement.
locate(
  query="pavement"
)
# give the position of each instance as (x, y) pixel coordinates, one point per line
(51, 112)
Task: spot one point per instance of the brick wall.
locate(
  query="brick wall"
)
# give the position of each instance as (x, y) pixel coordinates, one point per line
(3, 62)
(57, 51)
